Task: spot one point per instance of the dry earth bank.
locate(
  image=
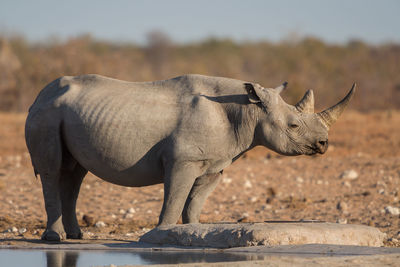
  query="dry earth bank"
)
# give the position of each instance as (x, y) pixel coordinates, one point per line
(357, 181)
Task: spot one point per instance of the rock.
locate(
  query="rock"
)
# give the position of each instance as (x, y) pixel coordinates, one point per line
(299, 179)
(266, 207)
(131, 210)
(342, 206)
(349, 174)
(122, 211)
(248, 184)
(243, 220)
(253, 199)
(346, 183)
(14, 229)
(392, 210)
(227, 235)
(89, 220)
(100, 224)
(342, 221)
(226, 180)
(22, 231)
(128, 216)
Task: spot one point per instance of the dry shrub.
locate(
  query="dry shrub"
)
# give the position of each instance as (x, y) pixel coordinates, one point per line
(330, 70)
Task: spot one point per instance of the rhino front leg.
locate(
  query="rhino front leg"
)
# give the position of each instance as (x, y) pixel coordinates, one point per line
(70, 184)
(54, 229)
(178, 181)
(201, 189)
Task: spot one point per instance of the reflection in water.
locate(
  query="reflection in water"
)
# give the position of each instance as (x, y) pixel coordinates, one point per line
(66, 258)
(192, 257)
(61, 258)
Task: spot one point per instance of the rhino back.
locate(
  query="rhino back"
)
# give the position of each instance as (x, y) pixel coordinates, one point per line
(117, 129)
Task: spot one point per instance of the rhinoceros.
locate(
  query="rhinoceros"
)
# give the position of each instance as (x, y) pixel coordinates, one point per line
(181, 132)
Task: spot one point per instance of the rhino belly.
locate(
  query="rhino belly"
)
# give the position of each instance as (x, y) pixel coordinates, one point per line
(120, 154)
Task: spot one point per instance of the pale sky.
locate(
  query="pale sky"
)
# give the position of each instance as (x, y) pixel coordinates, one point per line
(335, 21)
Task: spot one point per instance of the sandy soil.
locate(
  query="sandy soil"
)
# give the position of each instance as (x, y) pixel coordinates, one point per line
(260, 186)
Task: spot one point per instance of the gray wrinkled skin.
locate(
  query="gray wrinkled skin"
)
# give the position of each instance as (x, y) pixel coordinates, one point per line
(181, 132)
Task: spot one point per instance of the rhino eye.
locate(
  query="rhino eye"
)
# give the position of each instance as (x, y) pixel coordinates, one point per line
(293, 126)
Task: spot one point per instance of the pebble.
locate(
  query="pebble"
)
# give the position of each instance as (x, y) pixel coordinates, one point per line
(342, 206)
(100, 224)
(131, 210)
(341, 221)
(14, 229)
(346, 183)
(392, 210)
(299, 179)
(253, 199)
(128, 216)
(122, 211)
(21, 231)
(349, 174)
(248, 184)
(266, 207)
(227, 180)
(89, 220)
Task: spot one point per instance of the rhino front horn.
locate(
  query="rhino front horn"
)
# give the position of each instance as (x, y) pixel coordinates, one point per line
(330, 115)
(306, 104)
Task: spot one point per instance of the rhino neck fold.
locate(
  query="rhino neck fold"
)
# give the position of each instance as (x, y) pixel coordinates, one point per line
(243, 119)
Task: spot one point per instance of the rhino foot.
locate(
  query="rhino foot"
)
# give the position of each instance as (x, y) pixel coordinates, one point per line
(78, 235)
(51, 235)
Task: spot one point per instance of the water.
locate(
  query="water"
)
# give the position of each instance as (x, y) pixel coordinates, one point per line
(83, 258)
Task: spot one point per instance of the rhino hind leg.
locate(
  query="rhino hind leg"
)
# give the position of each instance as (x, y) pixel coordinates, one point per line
(70, 183)
(201, 189)
(54, 229)
(44, 144)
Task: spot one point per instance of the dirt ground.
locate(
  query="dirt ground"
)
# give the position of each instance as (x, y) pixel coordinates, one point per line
(357, 181)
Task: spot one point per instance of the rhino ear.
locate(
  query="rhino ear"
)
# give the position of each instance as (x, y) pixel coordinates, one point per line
(281, 87)
(251, 92)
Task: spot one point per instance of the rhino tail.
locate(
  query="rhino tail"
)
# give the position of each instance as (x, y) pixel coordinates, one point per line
(36, 172)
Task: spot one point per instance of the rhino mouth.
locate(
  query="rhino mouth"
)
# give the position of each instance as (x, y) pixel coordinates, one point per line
(312, 150)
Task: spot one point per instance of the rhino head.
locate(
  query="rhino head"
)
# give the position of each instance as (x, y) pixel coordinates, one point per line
(293, 130)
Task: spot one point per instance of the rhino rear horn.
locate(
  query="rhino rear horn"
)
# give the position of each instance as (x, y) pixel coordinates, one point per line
(306, 104)
(330, 115)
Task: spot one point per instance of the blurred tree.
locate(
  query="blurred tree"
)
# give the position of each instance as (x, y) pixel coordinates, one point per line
(307, 63)
(158, 52)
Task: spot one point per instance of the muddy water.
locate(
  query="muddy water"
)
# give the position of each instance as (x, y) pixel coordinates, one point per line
(82, 258)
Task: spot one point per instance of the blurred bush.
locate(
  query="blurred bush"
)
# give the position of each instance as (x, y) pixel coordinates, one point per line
(329, 69)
